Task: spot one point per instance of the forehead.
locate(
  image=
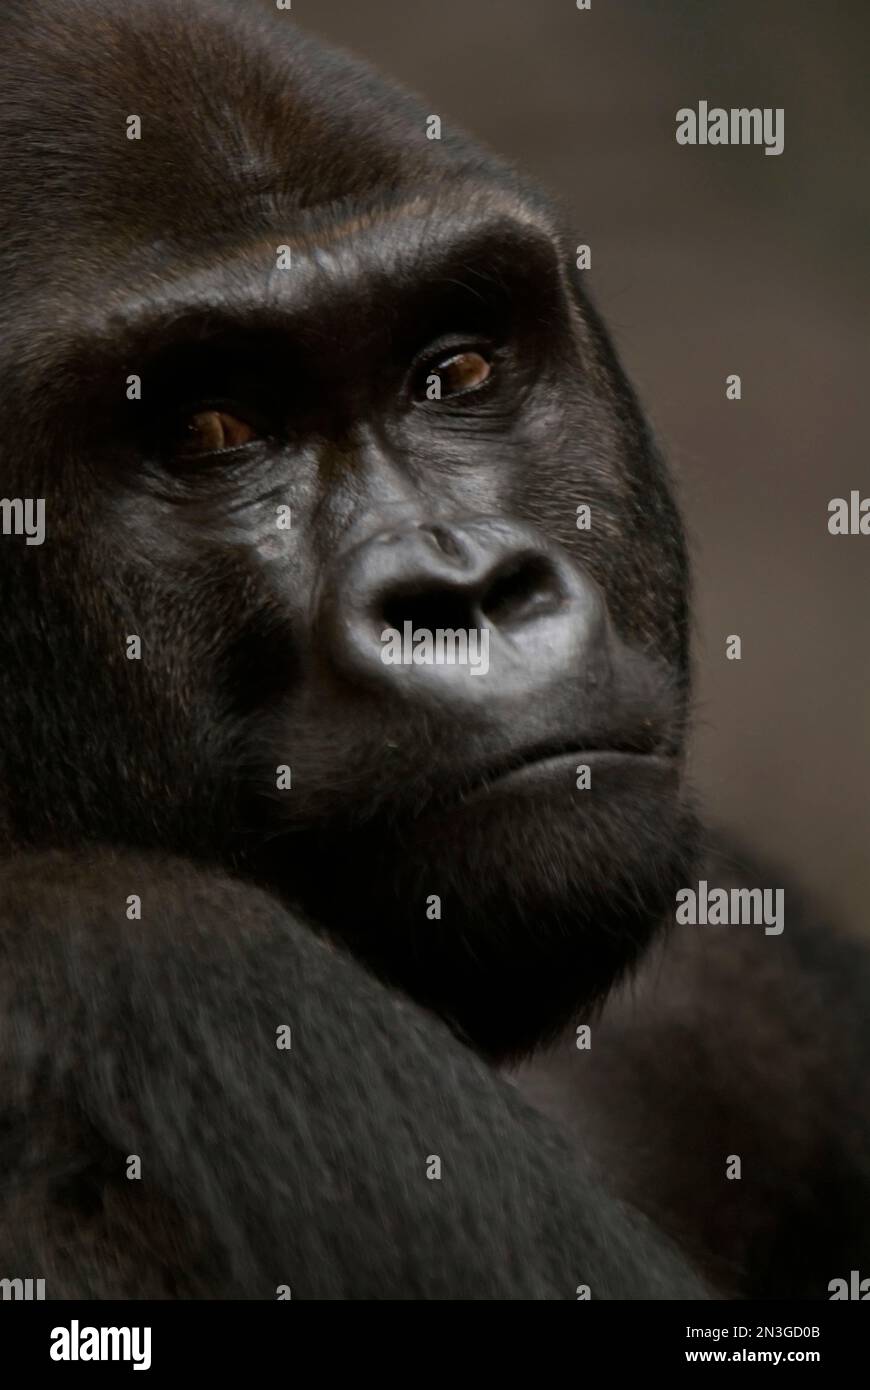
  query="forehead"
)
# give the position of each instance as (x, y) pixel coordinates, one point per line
(253, 135)
(237, 108)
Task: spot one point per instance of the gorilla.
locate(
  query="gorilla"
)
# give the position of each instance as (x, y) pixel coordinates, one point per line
(295, 940)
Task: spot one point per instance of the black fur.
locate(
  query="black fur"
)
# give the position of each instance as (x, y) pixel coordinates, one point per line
(263, 1167)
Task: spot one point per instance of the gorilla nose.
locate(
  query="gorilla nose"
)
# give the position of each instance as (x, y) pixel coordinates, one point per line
(465, 612)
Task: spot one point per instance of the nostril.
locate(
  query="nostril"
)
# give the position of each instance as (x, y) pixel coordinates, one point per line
(433, 610)
(530, 585)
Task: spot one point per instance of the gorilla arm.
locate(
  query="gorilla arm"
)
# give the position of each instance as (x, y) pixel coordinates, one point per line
(260, 1166)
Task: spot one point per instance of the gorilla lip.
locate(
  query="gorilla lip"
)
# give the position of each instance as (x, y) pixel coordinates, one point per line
(548, 768)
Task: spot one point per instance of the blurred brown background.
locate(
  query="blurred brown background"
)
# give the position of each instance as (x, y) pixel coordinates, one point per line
(708, 261)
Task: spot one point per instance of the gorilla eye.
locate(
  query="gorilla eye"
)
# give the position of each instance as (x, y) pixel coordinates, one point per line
(457, 374)
(212, 432)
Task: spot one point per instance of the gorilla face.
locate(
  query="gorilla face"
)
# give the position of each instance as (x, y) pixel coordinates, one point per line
(433, 819)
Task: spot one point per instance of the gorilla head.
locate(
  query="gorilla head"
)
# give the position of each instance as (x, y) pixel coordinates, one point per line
(373, 397)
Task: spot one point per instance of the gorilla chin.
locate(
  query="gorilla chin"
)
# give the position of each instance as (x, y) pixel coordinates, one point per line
(512, 909)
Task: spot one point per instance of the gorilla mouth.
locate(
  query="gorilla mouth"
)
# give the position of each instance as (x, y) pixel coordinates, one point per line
(553, 765)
